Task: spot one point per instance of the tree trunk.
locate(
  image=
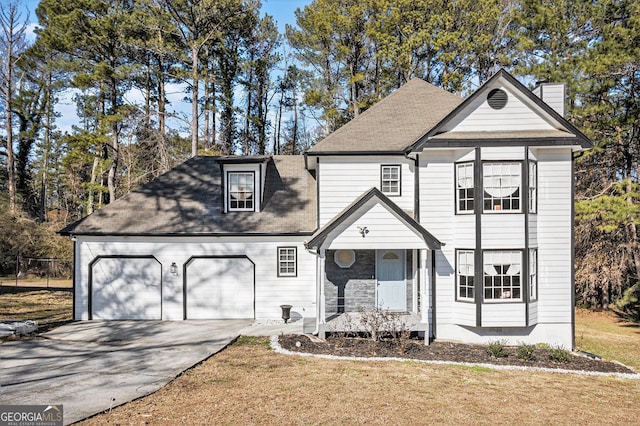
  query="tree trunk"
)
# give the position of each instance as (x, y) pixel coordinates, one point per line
(194, 100)
(90, 196)
(111, 177)
(162, 140)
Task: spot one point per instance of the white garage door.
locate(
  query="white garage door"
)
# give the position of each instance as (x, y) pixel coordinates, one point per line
(219, 288)
(126, 288)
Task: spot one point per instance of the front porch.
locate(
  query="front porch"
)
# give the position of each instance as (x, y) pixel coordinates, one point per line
(353, 322)
(364, 286)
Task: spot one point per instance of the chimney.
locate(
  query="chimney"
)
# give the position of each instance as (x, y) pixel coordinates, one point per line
(552, 94)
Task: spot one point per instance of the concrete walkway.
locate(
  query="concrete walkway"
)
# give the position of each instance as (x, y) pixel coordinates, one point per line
(90, 366)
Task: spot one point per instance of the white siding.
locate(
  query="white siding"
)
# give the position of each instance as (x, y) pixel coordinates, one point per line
(464, 231)
(554, 236)
(553, 95)
(533, 230)
(503, 315)
(515, 116)
(502, 153)
(437, 216)
(464, 314)
(533, 313)
(342, 180)
(502, 231)
(271, 291)
(385, 231)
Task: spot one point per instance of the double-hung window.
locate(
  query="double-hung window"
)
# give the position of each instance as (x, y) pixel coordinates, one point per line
(533, 187)
(533, 274)
(465, 273)
(390, 180)
(240, 191)
(502, 272)
(502, 186)
(287, 262)
(464, 188)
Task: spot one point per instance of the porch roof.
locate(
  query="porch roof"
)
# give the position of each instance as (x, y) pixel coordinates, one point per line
(358, 208)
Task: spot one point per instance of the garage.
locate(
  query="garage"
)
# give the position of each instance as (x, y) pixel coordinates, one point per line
(219, 288)
(125, 288)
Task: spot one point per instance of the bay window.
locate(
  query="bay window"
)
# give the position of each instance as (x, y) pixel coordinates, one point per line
(501, 186)
(533, 274)
(502, 275)
(465, 272)
(464, 188)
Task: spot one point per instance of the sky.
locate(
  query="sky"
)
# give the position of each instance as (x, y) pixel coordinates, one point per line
(283, 12)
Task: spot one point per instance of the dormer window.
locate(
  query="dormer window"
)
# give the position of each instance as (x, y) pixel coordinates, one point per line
(241, 191)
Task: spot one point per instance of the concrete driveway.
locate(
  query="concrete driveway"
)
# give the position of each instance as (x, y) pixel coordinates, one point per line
(90, 366)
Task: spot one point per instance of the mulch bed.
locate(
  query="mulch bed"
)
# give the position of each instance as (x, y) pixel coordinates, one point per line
(440, 351)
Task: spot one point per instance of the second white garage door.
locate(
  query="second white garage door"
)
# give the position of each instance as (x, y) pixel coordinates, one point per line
(219, 288)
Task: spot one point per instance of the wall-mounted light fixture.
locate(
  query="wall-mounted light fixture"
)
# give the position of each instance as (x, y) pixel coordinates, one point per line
(174, 269)
(363, 231)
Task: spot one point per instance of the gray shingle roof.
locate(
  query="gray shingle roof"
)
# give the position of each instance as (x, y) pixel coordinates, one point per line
(394, 123)
(187, 200)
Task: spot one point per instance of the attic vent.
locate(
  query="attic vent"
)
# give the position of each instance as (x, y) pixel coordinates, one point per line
(497, 98)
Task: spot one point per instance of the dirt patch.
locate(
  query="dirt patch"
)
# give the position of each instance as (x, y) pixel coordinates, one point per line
(442, 351)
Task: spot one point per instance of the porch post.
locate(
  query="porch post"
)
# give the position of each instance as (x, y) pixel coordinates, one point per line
(425, 292)
(321, 277)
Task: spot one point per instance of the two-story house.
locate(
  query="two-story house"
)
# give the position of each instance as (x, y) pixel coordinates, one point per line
(456, 212)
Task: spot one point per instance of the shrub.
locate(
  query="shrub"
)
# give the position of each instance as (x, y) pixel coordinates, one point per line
(526, 352)
(559, 354)
(497, 349)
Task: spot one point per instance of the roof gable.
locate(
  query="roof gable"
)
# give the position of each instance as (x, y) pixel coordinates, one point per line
(392, 124)
(523, 116)
(361, 220)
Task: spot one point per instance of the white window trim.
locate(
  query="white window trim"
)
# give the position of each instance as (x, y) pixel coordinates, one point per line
(506, 181)
(516, 273)
(398, 180)
(284, 262)
(253, 188)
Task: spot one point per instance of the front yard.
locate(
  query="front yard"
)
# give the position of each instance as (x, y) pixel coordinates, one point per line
(249, 384)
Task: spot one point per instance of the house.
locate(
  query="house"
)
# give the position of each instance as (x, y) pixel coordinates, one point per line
(457, 212)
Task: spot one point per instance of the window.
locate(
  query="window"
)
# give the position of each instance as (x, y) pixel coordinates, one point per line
(464, 188)
(390, 180)
(533, 274)
(344, 258)
(501, 183)
(287, 261)
(501, 270)
(465, 272)
(241, 196)
(533, 186)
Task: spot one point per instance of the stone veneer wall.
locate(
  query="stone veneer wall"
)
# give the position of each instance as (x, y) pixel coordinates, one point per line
(348, 289)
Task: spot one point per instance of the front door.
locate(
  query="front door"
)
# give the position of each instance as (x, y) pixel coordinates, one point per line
(392, 288)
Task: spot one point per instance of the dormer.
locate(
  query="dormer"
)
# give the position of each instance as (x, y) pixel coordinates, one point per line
(243, 181)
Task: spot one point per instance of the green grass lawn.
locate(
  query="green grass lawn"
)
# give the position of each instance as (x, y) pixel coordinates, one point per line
(604, 334)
